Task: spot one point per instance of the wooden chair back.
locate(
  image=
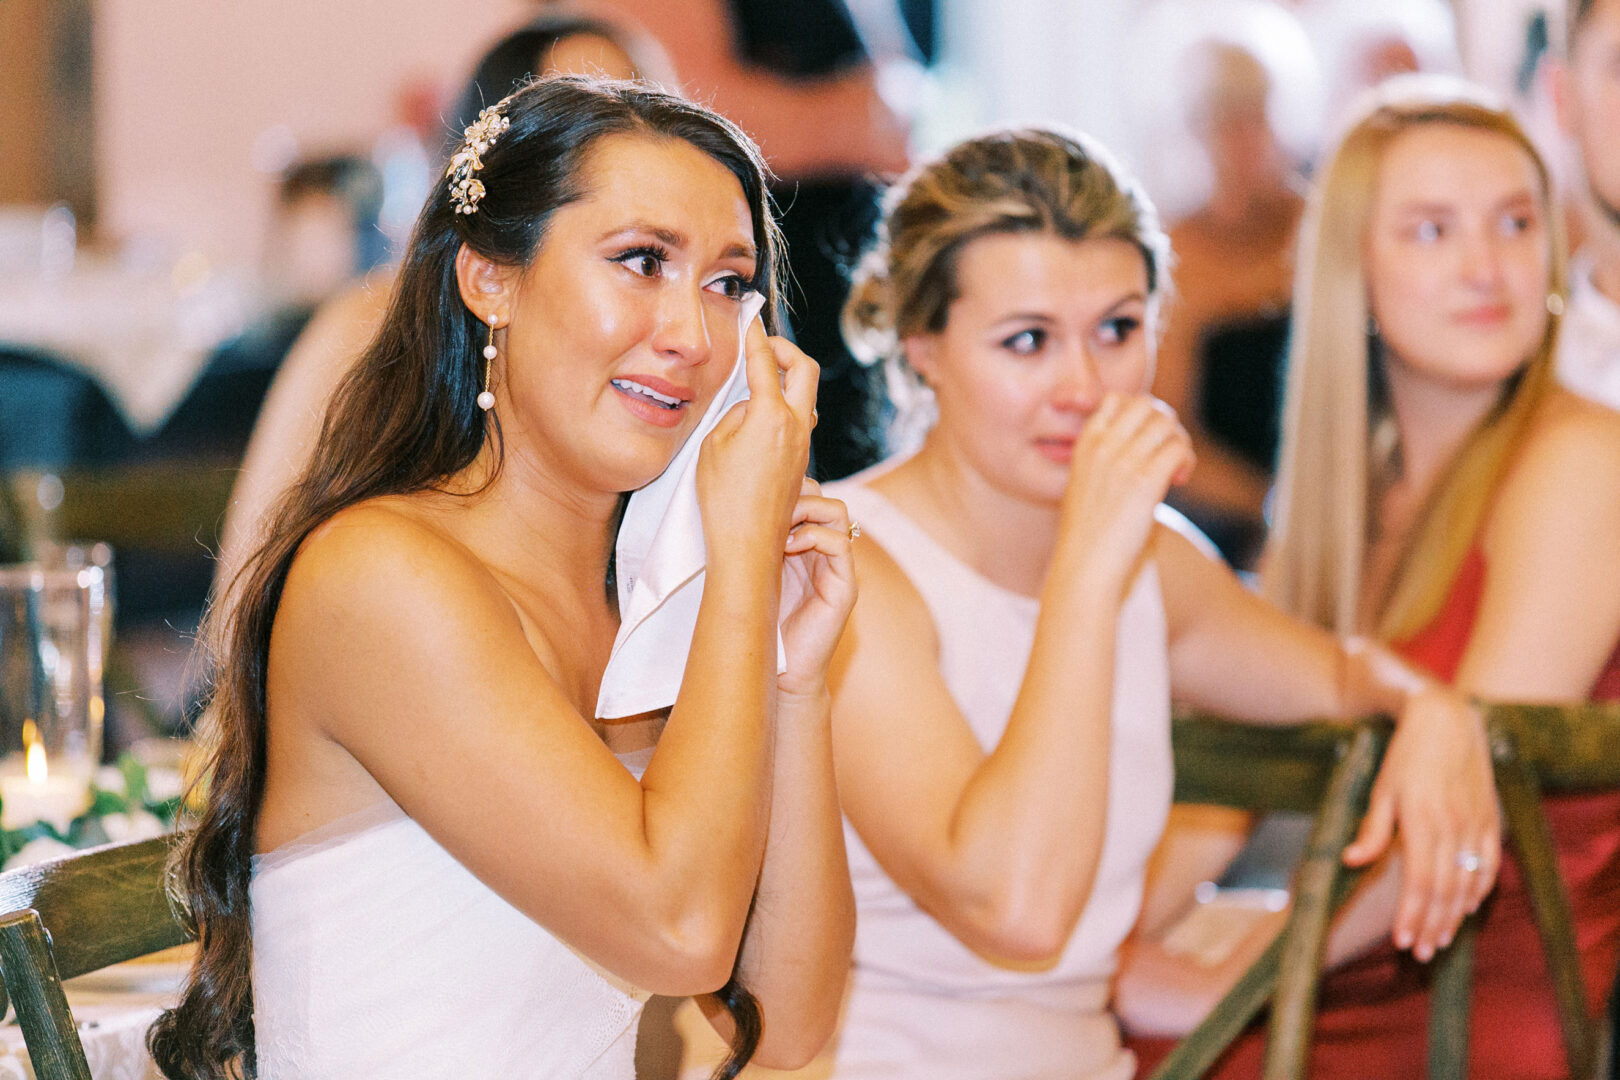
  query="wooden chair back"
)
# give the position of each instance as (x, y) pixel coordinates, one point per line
(1329, 769)
(74, 915)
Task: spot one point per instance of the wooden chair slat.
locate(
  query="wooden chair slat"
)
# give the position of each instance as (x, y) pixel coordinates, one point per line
(1566, 747)
(1516, 784)
(101, 906)
(1305, 937)
(1449, 1005)
(36, 990)
(1282, 768)
(1553, 748)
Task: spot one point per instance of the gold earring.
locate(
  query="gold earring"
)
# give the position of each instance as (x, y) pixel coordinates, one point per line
(486, 399)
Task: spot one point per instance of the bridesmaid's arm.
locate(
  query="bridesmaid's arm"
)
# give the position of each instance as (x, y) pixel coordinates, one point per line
(1233, 653)
(1549, 614)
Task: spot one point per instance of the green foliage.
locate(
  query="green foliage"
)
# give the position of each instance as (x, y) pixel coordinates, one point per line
(87, 830)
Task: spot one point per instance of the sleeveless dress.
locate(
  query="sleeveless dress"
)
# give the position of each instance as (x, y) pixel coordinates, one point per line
(1373, 1013)
(922, 1004)
(378, 956)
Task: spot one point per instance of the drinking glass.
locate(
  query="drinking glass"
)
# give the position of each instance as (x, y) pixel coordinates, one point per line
(51, 652)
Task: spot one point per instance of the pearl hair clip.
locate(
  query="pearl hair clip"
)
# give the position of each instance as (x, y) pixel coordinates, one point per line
(465, 188)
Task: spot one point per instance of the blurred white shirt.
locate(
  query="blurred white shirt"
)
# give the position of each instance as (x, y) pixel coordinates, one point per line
(1589, 345)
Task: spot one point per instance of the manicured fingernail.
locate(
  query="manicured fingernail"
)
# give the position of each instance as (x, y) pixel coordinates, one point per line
(1403, 939)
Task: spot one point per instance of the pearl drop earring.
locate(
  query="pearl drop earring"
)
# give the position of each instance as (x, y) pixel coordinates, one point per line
(486, 400)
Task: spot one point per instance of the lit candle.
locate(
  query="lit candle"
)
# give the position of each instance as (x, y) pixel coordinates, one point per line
(29, 792)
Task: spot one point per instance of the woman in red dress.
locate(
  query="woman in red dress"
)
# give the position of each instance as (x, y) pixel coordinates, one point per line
(1438, 490)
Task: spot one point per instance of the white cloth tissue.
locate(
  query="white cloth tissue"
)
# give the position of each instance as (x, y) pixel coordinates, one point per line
(659, 563)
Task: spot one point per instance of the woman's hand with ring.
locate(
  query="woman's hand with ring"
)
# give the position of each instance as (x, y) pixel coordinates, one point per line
(818, 588)
(1437, 786)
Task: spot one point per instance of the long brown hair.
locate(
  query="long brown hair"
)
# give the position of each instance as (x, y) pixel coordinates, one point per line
(404, 420)
(1339, 448)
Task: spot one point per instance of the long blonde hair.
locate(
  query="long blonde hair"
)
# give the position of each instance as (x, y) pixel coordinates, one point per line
(1339, 447)
(1006, 181)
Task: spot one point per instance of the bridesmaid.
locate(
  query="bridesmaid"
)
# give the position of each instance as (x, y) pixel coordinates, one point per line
(1001, 703)
(1439, 491)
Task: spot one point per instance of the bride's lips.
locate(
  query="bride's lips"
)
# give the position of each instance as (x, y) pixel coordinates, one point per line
(654, 400)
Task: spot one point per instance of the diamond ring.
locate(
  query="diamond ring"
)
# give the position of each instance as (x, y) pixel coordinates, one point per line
(1468, 861)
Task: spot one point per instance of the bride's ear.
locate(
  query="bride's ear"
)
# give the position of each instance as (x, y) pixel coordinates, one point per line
(486, 286)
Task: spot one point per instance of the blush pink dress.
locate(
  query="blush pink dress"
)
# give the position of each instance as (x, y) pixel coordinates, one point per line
(922, 1004)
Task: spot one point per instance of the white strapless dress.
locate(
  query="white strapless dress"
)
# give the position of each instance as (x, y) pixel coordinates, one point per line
(378, 956)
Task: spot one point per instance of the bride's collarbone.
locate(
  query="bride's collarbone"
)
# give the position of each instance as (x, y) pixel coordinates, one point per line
(570, 638)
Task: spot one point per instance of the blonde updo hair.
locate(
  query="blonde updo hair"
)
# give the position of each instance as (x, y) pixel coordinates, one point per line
(1011, 181)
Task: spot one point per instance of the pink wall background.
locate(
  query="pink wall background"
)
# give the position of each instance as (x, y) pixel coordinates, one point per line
(184, 87)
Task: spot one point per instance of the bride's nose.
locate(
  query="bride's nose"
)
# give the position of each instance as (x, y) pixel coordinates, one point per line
(682, 329)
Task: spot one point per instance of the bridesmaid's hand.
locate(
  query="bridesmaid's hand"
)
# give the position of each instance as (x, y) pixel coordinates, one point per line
(1437, 785)
(1131, 450)
(818, 588)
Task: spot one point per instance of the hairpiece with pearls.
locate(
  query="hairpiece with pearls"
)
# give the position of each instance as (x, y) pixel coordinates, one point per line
(465, 188)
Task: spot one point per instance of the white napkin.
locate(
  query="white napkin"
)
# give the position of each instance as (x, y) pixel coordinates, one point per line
(659, 562)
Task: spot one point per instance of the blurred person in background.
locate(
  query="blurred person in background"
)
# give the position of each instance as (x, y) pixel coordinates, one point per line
(1240, 82)
(324, 231)
(293, 409)
(1441, 493)
(1586, 93)
(822, 85)
(1360, 43)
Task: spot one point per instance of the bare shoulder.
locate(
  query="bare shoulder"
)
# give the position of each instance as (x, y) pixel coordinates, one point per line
(384, 565)
(1571, 453)
(348, 320)
(890, 608)
(1186, 559)
(1562, 490)
(1568, 422)
(1172, 527)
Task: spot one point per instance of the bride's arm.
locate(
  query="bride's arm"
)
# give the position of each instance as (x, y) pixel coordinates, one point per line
(795, 953)
(397, 647)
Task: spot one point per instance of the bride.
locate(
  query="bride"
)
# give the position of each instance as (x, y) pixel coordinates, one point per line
(418, 854)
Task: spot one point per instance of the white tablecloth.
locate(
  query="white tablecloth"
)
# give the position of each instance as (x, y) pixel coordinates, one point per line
(145, 333)
(113, 1009)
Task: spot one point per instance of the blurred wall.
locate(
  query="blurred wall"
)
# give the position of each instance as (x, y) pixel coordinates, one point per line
(47, 120)
(185, 89)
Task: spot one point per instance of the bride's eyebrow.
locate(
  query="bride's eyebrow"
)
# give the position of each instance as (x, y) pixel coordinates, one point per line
(666, 236)
(676, 240)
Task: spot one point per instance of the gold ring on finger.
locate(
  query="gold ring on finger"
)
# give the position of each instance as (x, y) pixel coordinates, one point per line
(854, 531)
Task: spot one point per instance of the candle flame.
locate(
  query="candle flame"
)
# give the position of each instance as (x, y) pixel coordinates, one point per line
(36, 764)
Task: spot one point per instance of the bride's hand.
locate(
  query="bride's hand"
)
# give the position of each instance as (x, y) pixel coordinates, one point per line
(818, 588)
